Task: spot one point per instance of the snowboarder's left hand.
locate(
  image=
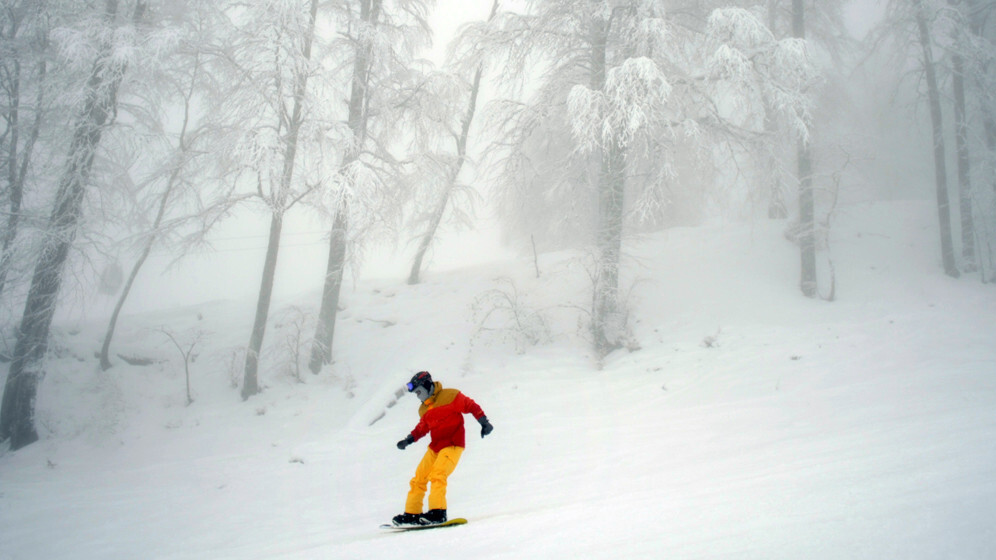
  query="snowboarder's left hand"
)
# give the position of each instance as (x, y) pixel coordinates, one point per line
(486, 426)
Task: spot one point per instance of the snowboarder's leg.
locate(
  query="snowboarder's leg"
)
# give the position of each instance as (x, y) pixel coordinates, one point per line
(419, 483)
(442, 468)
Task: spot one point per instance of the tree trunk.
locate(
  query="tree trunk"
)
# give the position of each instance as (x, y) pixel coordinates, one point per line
(978, 21)
(807, 212)
(321, 348)
(777, 209)
(940, 166)
(776, 196)
(964, 165)
(434, 221)
(990, 128)
(17, 417)
(608, 324)
(250, 379)
(105, 361)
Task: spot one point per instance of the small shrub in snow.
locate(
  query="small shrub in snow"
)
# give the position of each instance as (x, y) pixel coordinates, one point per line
(236, 359)
(295, 324)
(185, 344)
(502, 313)
(712, 341)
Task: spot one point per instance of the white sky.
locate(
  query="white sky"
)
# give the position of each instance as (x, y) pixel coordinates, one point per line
(448, 16)
(862, 15)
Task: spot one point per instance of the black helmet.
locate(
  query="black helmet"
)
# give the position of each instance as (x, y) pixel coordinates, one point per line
(421, 384)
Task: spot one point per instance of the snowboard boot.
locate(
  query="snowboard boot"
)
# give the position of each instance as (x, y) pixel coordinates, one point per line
(433, 517)
(408, 519)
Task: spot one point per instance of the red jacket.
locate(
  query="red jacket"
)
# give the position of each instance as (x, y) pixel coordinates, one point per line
(442, 416)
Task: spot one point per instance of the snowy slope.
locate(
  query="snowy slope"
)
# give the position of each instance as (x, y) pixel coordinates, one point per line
(751, 423)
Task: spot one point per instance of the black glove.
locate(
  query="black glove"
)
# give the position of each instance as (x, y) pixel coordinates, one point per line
(486, 426)
(406, 442)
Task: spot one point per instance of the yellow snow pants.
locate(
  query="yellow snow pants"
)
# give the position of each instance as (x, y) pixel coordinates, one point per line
(435, 468)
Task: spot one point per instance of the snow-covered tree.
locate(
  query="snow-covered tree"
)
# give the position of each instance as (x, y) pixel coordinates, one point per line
(807, 214)
(115, 31)
(963, 160)
(821, 24)
(981, 18)
(910, 23)
(271, 120)
(28, 98)
(627, 90)
(922, 18)
(973, 74)
(980, 67)
(378, 40)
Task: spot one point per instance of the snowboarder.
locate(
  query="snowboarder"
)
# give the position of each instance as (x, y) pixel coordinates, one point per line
(441, 415)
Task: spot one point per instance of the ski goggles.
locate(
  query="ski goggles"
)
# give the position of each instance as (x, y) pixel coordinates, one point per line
(421, 391)
(420, 377)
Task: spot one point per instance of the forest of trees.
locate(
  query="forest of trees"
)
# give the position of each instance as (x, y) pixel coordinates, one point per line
(132, 126)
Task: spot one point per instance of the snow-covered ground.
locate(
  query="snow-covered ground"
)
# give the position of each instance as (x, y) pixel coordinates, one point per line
(751, 423)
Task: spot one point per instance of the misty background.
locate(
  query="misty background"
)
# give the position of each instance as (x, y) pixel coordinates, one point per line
(875, 104)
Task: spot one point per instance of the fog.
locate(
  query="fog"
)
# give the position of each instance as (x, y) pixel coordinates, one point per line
(719, 271)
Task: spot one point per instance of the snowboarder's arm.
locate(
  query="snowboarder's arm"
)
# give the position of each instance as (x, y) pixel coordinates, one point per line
(420, 430)
(471, 407)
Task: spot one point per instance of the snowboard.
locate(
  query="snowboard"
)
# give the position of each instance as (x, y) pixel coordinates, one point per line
(403, 528)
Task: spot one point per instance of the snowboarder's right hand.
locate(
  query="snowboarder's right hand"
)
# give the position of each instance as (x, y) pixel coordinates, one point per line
(406, 442)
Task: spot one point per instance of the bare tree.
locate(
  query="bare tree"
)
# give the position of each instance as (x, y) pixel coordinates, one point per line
(185, 346)
(452, 171)
(173, 192)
